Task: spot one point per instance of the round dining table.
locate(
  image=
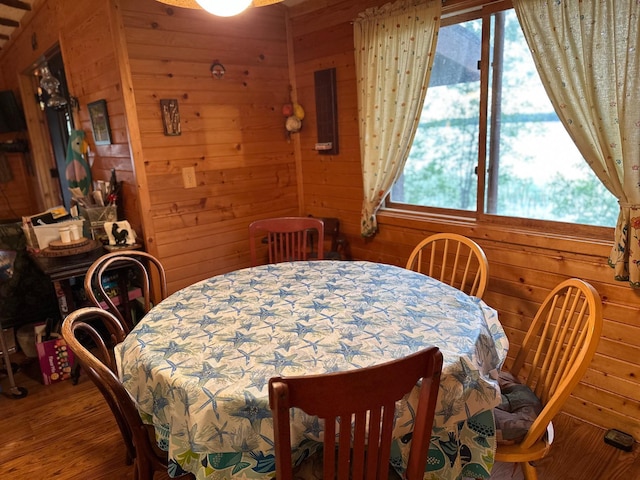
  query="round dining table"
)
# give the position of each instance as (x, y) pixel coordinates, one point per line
(198, 364)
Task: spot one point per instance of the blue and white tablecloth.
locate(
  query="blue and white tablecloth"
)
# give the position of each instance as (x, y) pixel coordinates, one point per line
(198, 364)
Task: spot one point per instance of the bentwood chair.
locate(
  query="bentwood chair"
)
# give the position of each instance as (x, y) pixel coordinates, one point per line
(453, 259)
(143, 265)
(363, 399)
(555, 353)
(287, 238)
(91, 333)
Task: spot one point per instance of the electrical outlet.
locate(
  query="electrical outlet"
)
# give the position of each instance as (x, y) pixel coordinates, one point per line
(619, 439)
(189, 177)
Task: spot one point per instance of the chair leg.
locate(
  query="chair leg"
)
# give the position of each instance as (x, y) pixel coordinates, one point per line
(529, 471)
(143, 470)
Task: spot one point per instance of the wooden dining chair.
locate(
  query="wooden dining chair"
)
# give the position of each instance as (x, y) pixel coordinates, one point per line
(91, 333)
(453, 259)
(143, 265)
(555, 353)
(364, 399)
(287, 238)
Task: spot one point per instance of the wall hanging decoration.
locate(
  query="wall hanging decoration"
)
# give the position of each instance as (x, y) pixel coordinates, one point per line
(326, 111)
(51, 85)
(170, 116)
(100, 122)
(217, 70)
(77, 169)
(294, 114)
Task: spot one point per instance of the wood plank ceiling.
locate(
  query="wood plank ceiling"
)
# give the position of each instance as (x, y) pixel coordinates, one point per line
(11, 13)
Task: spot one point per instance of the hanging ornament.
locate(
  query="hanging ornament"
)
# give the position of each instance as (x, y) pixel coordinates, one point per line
(298, 111)
(287, 109)
(293, 124)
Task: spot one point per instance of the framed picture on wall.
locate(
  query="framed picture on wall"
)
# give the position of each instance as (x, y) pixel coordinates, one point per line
(100, 122)
(170, 116)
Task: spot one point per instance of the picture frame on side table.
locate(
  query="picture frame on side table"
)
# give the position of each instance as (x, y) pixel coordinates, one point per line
(100, 122)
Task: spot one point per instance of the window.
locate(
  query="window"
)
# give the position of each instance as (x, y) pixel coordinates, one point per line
(517, 160)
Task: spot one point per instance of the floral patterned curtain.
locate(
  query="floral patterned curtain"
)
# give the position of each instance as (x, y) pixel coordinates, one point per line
(394, 50)
(588, 59)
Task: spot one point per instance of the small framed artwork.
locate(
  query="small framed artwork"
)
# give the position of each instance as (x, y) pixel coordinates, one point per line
(100, 122)
(170, 116)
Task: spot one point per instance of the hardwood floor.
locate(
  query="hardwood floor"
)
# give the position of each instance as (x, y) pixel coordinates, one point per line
(65, 431)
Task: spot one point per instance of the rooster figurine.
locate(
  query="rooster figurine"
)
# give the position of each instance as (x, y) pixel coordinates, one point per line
(77, 170)
(119, 236)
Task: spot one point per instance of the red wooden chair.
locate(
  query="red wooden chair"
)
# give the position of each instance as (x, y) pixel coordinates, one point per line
(365, 400)
(287, 238)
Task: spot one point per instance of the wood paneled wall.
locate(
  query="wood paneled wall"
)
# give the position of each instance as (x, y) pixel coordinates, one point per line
(233, 131)
(83, 33)
(134, 53)
(524, 265)
(93, 64)
(16, 199)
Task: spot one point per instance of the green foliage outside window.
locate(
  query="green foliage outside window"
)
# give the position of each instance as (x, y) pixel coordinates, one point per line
(540, 173)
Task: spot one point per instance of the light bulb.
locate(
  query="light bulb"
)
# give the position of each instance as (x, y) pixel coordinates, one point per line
(224, 8)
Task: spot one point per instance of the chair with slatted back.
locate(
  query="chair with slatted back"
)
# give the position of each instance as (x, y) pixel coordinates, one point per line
(555, 354)
(287, 238)
(453, 259)
(365, 399)
(91, 332)
(144, 265)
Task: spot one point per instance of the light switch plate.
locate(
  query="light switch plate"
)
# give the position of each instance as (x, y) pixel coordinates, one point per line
(189, 177)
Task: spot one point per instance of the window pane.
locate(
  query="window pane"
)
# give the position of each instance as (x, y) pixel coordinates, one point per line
(540, 172)
(534, 169)
(440, 170)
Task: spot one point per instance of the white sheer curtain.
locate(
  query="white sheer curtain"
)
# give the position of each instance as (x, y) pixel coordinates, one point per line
(587, 55)
(394, 49)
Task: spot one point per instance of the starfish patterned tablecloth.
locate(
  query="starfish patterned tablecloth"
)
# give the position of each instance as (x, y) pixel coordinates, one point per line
(198, 364)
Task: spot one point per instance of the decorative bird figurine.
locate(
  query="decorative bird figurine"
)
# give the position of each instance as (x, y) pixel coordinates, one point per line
(119, 236)
(77, 171)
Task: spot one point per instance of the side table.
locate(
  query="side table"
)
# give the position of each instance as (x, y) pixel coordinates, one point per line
(61, 269)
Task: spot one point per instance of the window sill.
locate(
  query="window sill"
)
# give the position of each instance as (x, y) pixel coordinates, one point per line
(586, 239)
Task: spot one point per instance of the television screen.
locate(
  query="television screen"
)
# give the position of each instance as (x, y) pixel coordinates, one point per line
(11, 115)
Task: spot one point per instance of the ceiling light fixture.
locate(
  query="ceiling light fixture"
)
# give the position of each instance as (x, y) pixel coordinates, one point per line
(221, 8)
(224, 8)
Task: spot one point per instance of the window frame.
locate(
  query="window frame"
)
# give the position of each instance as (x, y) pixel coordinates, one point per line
(453, 12)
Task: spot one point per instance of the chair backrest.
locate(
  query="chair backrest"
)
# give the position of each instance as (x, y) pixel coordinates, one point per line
(288, 238)
(91, 333)
(338, 242)
(143, 264)
(558, 348)
(364, 399)
(453, 259)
